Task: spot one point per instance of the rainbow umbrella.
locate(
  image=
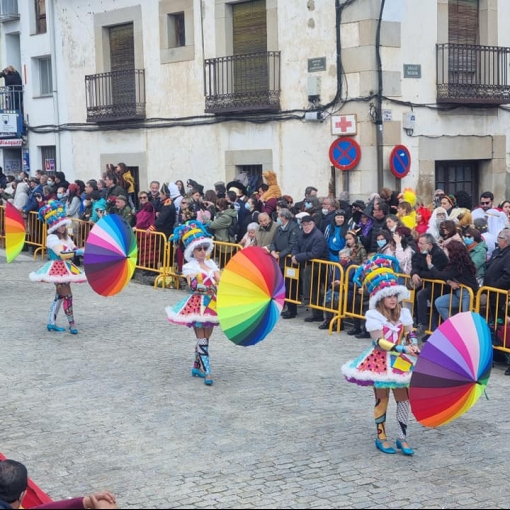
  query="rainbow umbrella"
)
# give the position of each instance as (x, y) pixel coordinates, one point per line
(251, 294)
(14, 232)
(110, 255)
(452, 370)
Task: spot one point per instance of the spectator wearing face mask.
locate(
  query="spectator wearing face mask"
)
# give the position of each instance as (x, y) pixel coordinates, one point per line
(477, 250)
(329, 208)
(335, 234)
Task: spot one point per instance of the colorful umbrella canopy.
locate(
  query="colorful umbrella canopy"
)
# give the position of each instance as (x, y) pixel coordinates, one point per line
(251, 294)
(14, 232)
(110, 255)
(452, 370)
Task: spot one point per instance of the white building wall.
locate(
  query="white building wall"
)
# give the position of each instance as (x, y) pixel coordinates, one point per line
(299, 150)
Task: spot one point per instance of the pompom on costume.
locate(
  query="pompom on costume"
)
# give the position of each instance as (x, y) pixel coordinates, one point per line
(60, 269)
(386, 364)
(198, 310)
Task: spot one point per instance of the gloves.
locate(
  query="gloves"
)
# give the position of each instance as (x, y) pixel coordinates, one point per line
(80, 252)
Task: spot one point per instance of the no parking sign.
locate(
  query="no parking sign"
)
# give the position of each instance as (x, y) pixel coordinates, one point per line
(400, 161)
(344, 153)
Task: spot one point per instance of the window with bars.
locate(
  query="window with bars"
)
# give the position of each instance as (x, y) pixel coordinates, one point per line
(454, 176)
(40, 16)
(176, 30)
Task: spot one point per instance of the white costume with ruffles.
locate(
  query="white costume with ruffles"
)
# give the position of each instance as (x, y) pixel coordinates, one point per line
(199, 308)
(377, 367)
(58, 270)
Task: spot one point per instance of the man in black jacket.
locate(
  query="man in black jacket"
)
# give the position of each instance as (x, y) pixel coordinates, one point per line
(284, 240)
(419, 269)
(311, 244)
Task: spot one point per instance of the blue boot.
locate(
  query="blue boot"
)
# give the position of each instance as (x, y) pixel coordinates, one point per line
(195, 372)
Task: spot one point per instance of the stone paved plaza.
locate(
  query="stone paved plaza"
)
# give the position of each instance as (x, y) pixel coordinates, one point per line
(115, 407)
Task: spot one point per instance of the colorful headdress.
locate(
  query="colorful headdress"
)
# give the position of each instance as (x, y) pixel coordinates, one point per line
(193, 234)
(54, 214)
(379, 276)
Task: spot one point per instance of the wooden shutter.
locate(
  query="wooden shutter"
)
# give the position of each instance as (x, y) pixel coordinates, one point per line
(249, 37)
(250, 27)
(122, 47)
(122, 58)
(463, 21)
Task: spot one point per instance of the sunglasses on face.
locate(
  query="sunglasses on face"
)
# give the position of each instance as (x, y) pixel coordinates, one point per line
(485, 203)
(202, 247)
(143, 198)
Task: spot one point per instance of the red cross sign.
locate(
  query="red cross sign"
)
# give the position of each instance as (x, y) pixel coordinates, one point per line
(343, 125)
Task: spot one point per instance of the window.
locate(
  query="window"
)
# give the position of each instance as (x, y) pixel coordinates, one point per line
(48, 159)
(40, 16)
(454, 176)
(45, 79)
(176, 30)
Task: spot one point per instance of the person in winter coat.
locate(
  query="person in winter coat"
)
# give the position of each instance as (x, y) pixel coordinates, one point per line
(459, 270)
(218, 227)
(284, 240)
(477, 251)
(311, 244)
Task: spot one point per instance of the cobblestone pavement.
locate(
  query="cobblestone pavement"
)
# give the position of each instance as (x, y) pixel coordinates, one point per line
(115, 407)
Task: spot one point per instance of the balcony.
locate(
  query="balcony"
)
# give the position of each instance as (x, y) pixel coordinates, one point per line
(115, 96)
(8, 10)
(242, 83)
(472, 74)
(11, 112)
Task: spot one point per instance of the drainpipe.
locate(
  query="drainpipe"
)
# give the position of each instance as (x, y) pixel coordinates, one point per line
(378, 120)
(56, 110)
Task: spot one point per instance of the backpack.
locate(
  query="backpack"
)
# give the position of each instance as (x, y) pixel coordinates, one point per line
(233, 230)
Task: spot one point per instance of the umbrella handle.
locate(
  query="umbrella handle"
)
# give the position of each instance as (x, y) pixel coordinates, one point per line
(485, 393)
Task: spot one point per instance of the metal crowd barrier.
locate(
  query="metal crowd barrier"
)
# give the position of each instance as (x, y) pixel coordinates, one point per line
(314, 285)
(36, 233)
(492, 305)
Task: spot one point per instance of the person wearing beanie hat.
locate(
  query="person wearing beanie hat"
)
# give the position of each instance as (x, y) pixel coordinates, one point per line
(389, 361)
(60, 269)
(198, 310)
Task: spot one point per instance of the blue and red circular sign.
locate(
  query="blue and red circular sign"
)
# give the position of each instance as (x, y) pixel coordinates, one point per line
(345, 153)
(400, 161)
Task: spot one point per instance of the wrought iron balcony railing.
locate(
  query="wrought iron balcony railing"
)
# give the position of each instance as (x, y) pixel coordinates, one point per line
(114, 96)
(472, 74)
(8, 10)
(242, 83)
